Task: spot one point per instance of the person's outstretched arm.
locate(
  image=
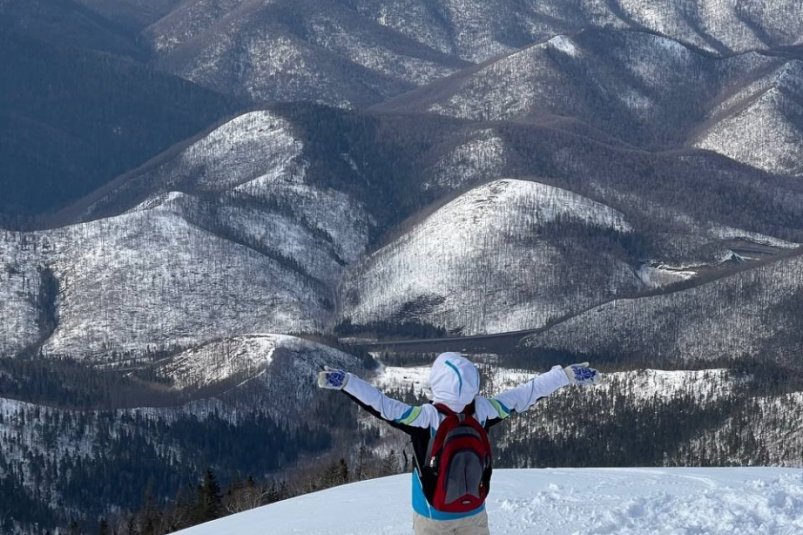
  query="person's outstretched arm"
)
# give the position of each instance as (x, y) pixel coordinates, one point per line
(524, 396)
(395, 412)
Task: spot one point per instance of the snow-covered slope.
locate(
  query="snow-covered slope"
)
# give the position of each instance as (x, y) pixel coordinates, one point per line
(727, 501)
(698, 323)
(229, 238)
(485, 263)
(478, 30)
(249, 358)
(648, 90)
(285, 51)
(250, 228)
(355, 52)
(762, 123)
(196, 286)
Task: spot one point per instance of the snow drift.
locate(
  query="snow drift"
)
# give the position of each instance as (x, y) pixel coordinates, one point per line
(557, 501)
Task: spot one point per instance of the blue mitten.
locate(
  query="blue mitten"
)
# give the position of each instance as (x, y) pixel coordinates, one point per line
(332, 379)
(581, 374)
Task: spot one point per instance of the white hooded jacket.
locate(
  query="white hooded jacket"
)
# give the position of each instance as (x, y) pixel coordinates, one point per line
(455, 382)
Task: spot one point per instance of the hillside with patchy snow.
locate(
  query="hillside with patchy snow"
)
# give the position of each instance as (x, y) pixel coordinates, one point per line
(696, 323)
(605, 180)
(485, 262)
(228, 239)
(761, 124)
(295, 50)
(655, 93)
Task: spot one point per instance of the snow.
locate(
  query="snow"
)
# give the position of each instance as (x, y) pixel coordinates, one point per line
(197, 287)
(251, 144)
(482, 248)
(221, 359)
(557, 501)
(372, 53)
(761, 135)
(657, 276)
(565, 45)
(697, 334)
(757, 125)
(471, 161)
(178, 269)
(245, 357)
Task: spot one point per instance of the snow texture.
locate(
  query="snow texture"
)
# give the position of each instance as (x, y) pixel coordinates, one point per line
(152, 278)
(727, 501)
(29, 431)
(351, 52)
(180, 269)
(708, 328)
(762, 125)
(19, 288)
(482, 249)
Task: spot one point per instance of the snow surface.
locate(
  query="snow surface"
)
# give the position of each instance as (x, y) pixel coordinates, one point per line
(625, 323)
(564, 44)
(480, 263)
(761, 129)
(179, 270)
(557, 501)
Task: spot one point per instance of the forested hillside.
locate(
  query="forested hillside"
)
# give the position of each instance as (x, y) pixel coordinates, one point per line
(204, 202)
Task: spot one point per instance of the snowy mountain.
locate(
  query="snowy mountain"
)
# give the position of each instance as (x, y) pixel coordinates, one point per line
(645, 89)
(766, 113)
(282, 51)
(695, 323)
(183, 268)
(295, 50)
(478, 31)
(268, 224)
(486, 262)
(560, 501)
(203, 202)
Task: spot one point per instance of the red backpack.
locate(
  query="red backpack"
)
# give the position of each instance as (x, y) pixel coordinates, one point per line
(459, 458)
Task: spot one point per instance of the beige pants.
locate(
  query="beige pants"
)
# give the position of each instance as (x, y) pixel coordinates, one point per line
(472, 525)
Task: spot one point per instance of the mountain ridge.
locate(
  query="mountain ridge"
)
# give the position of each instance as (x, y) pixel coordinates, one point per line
(613, 181)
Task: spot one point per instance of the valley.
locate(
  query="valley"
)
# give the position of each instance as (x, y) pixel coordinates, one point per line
(205, 202)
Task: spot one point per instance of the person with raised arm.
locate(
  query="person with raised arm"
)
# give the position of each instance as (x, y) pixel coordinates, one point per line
(452, 454)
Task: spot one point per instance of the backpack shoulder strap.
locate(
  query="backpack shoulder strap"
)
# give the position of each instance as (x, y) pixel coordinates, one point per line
(443, 409)
(468, 410)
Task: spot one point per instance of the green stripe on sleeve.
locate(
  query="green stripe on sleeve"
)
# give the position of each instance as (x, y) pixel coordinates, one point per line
(409, 416)
(501, 410)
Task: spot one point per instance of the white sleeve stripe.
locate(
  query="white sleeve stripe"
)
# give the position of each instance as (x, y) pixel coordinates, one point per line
(388, 408)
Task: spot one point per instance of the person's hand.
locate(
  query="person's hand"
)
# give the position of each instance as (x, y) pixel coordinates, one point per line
(581, 374)
(332, 379)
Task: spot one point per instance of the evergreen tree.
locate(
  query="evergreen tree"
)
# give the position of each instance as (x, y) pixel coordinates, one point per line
(209, 502)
